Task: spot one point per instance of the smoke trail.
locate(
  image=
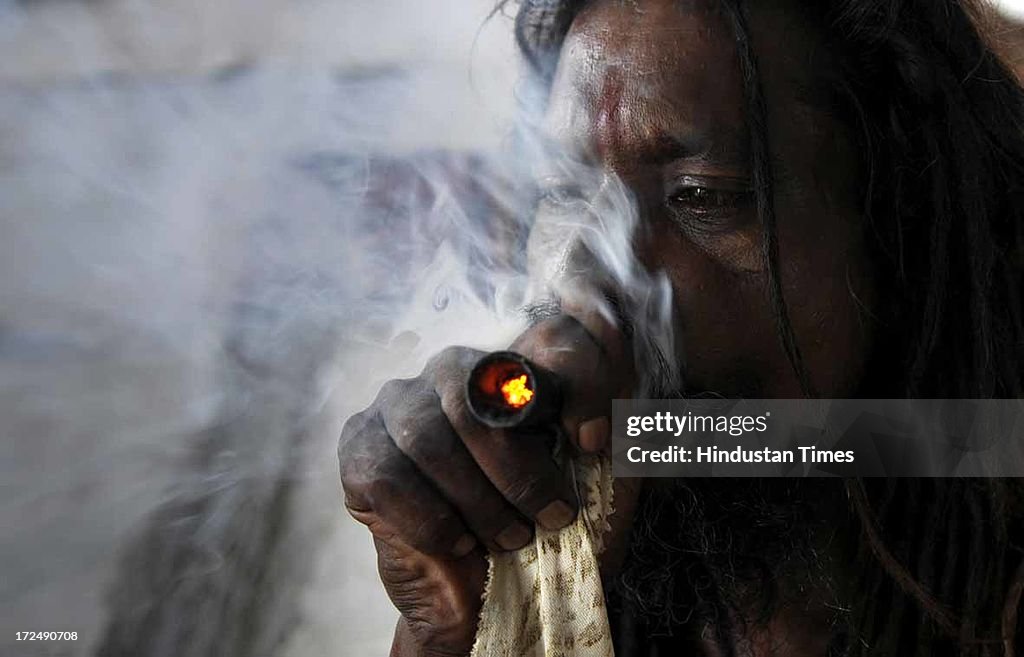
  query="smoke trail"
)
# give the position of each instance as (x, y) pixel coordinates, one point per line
(200, 278)
(582, 247)
(191, 270)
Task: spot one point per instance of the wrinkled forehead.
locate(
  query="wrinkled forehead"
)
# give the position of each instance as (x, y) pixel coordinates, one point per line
(633, 72)
(653, 66)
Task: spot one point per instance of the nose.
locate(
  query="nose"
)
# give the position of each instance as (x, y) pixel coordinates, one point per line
(585, 260)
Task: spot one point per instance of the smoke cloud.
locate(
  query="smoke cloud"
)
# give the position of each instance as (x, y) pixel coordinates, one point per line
(224, 227)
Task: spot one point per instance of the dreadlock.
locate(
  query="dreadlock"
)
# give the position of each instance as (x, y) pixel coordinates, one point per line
(939, 121)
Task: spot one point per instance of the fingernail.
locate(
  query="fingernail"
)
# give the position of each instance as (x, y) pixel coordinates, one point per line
(514, 536)
(594, 434)
(464, 546)
(556, 515)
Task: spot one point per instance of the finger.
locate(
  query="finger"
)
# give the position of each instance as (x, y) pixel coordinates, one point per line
(600, 316)
(422, 432)
(588, 376)
(519, 464)
(596, 304)
(384, 491)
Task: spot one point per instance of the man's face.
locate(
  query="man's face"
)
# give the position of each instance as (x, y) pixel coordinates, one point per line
(651, 93)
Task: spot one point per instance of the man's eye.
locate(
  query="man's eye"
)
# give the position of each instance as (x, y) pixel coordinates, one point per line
(708, 208)
(707, 200)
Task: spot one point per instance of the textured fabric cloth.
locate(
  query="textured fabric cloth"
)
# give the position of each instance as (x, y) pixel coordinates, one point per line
(547, 600)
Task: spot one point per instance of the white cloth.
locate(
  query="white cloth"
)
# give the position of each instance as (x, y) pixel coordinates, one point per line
(547, 600)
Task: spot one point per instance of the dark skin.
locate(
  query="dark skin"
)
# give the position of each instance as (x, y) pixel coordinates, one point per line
(650, 95)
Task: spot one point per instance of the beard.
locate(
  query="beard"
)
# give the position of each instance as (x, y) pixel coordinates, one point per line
(725, 554)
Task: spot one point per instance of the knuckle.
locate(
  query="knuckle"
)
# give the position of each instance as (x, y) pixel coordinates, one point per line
(358, 421)
(356, 484)
(445, 357)
(451, 364)
(368, 473)
(394, 392)
(355, 446)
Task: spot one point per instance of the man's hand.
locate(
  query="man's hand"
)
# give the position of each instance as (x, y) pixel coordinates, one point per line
(436, 488)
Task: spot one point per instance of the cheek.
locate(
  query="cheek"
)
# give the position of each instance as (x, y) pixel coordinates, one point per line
(827, 280)
(830, 296)
(724, 323)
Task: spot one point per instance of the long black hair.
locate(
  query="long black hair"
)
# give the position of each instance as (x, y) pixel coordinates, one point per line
(940, 123)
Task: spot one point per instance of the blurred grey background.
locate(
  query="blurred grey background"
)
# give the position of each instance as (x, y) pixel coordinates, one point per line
(222, 226)
(192, 299)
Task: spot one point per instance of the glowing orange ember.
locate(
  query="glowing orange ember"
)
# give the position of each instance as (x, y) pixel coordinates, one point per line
(516, 392)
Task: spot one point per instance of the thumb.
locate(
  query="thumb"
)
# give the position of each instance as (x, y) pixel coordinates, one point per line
(587, 353)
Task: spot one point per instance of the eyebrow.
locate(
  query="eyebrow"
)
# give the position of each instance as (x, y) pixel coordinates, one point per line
(666, 138)
(661, 149)
(667, 147)
(716, 147)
